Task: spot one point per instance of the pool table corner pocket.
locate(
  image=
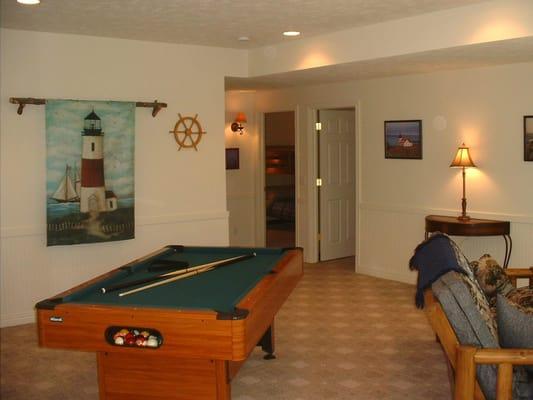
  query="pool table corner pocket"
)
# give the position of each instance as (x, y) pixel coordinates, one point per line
(49, 304)
(236, 314)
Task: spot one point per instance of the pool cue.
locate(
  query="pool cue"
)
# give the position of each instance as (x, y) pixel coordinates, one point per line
(150, 279)
(180, 272)
(169, 280)
(136, 282)
(202, 269)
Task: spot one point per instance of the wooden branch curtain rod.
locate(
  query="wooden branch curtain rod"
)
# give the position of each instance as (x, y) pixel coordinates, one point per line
(22, 101)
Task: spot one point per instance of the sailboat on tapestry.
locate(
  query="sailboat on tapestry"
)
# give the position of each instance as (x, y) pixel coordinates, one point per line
(69, 187)
(90, 175)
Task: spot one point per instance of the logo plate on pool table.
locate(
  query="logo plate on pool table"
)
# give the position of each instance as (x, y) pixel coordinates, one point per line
(56, 319)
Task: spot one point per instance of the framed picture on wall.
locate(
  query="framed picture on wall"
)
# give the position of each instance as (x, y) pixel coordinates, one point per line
(528, 138)
(232, 158)
(403, 139)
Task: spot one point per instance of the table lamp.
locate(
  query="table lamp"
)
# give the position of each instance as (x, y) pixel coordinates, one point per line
(463, 160)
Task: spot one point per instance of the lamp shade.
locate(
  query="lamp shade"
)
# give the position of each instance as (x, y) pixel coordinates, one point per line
(241, 117)
(462, 158)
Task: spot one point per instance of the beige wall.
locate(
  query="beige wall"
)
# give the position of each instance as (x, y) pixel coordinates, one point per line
(180, 196)
(483, 107)
(241, 184)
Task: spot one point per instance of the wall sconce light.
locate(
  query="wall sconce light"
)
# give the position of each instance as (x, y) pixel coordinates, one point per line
(237, 125)
(463, 160)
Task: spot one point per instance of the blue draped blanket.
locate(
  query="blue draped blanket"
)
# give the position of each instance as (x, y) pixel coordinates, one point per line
(432, 259)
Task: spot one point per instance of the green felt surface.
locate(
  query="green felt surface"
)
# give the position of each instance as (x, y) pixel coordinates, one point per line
(220, 289)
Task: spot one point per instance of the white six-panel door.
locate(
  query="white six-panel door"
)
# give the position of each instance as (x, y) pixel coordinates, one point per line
(337, 193)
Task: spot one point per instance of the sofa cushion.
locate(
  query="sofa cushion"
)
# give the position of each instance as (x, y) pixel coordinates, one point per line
(465, 319)
(480, 300)
(461, 258)
(515, 320)
(455, 296)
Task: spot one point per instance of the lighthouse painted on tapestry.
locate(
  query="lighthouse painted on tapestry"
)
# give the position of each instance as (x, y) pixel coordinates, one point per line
(93, 194)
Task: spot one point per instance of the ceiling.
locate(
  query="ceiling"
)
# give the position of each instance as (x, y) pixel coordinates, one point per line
(220, 23)
(210, 22)
(473, 56)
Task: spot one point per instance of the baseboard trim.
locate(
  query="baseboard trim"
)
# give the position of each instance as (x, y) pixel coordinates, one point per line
(406, 277)
(17, 319)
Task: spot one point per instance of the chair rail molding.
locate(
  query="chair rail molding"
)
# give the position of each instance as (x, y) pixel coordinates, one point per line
(397, 208)
(37, 230)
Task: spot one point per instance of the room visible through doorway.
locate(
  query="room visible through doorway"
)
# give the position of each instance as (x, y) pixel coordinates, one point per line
(280, 179)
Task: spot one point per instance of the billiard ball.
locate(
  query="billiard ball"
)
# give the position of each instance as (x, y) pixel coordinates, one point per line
(129, 338)
(152, 342)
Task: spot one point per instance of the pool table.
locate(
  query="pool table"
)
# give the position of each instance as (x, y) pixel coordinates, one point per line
(200, 329)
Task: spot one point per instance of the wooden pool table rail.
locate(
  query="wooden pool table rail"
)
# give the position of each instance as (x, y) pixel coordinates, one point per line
(52, 302)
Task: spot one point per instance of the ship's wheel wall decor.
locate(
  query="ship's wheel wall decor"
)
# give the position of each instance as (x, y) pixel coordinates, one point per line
(188, 132)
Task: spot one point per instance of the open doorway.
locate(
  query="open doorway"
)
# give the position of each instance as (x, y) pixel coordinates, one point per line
(336, 194)
(280, 190)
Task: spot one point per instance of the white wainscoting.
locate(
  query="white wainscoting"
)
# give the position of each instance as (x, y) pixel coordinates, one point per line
(31, 272)
(389, 235)
(242, 218)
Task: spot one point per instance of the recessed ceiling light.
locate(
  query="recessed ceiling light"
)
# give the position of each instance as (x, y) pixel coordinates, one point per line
(291, 33)
(244, 38)
(29, 2)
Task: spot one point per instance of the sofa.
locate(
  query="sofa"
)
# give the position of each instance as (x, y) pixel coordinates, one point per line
(486, 338)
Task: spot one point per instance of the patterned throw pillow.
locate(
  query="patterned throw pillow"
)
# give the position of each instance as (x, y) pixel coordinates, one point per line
(491, 278)
(522, 298)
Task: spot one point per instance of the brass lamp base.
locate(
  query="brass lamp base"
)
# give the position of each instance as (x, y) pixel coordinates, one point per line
(463, 217)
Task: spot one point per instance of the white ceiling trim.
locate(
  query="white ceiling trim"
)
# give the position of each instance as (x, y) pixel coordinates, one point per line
(463, 57)
(494, 21)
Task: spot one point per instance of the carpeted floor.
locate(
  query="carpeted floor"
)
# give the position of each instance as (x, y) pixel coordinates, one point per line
(339, 336)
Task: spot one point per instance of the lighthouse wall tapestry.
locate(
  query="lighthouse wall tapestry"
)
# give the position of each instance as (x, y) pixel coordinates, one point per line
(89, 171)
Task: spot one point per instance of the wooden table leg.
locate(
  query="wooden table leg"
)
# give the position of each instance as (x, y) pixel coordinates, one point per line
(223, 382)
(508, 250)
(267, 343)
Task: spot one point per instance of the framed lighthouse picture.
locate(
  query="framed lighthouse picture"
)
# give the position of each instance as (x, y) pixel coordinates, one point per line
(90, 171)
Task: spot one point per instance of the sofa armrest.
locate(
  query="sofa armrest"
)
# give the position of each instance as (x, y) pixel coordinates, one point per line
(465, 372)
(520, 273)
(447, 338)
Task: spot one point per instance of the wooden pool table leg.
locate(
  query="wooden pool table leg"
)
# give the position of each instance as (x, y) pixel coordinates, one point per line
(267, 343)
(223, 380)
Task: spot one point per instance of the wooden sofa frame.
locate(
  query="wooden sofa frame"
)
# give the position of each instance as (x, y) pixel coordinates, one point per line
(462, 360)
